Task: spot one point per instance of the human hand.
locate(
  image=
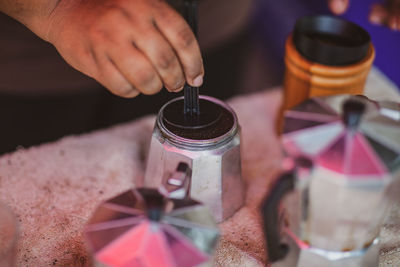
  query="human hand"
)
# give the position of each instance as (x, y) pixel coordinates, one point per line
(386, 14)
(382, 14)
(129, 46)
(338, 7)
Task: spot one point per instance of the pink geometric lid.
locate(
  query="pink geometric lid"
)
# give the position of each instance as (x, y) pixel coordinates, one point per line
(151, 244)
(345, 134)
(143, 228)
(350, 154)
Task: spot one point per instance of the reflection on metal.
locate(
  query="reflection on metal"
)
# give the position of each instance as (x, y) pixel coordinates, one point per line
(177, 184)
(143, 227)
(340, 206)
(308, 256)
(390, 109)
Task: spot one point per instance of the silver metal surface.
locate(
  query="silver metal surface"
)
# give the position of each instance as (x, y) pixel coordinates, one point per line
(331, 213)
(334, 215)
(216, 167)
(177, 184)
(390, 109)
(313, 125)
(302, 255)
(142, 225)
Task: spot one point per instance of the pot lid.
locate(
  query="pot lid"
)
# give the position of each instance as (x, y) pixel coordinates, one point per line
(345, 134)
(142, 228)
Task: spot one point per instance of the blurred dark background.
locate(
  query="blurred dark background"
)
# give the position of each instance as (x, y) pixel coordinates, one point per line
(43, 99)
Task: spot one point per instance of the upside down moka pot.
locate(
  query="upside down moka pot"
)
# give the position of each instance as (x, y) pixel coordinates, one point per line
(152, 227)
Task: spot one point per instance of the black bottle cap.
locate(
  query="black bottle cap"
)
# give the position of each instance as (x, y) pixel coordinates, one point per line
(330, 40)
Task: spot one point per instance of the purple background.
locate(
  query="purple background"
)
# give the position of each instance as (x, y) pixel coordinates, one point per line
(274, 20)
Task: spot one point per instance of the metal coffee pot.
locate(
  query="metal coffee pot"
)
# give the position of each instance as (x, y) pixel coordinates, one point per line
(210, 145)
(151, 227)
(333, 211)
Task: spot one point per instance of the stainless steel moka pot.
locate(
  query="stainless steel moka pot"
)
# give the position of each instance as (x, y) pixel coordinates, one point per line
(204, 133)
(209, 143)
(333, 211)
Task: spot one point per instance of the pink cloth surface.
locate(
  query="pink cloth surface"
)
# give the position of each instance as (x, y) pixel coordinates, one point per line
(54, 188)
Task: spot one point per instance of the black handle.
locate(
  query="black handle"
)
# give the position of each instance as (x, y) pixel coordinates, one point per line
(270, 215)
(191, 14)
(191, 100)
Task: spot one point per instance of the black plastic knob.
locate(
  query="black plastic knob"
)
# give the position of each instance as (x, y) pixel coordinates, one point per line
(330, 40)
(352, 113)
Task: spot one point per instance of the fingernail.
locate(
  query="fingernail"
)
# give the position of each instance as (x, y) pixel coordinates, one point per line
(132, 94)
(198, 81)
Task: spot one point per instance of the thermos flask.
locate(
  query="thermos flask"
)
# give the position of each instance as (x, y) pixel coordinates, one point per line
(324, 56)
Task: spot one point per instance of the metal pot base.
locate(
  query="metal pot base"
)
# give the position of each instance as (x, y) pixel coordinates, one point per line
(306, 256)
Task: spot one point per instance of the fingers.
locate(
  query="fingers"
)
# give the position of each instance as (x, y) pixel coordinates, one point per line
(111, 77)
(176, 31)
(338, 7)
(138, 48)
(378, 14)
(394, 23)
(394, 19)
(136, 68)
(125, 71)
(146, 69)
(161, 55)
(385, 15)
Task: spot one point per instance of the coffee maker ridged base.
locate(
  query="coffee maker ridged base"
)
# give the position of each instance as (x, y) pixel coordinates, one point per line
(302, 255)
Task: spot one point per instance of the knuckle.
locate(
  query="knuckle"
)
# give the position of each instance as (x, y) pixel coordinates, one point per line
(185, 37)
(116, 12)
(98, 32)
(166, 13)
(152, 89)
(194, 69)
(144, 77)
(148, 81)
(174, 82)
(104, 26)
(166, 60)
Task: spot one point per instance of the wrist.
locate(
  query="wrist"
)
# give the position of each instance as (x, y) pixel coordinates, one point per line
(53, 20)
(30, 13)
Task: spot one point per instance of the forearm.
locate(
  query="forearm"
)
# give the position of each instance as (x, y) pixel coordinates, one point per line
(32, 13)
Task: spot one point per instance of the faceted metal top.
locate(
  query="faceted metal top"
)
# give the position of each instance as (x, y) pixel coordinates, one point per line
(345, 134)
(141, 227)
(390, 109)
